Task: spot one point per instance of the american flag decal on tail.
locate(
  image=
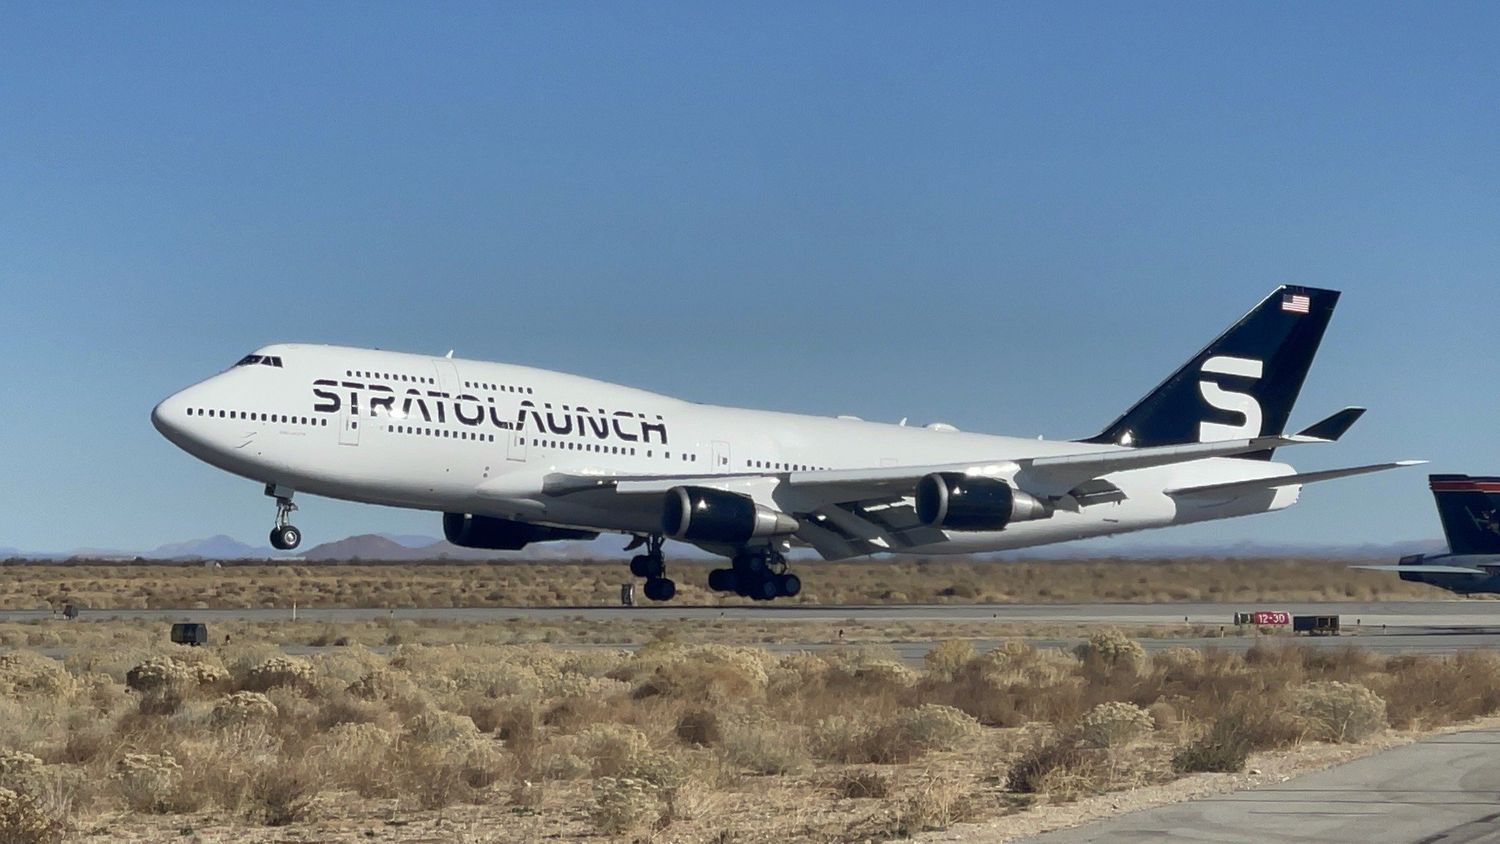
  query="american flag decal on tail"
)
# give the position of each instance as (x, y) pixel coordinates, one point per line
(1297, 303)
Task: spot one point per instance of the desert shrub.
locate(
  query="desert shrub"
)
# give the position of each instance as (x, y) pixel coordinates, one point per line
(147, 782)
(857, 784)
(1114, 724)
(1163, 715)
(762, 745)
(1057, 767)
(612, 750)
(26, 674)
(868, 669)
(947, 659)
(929, 727)
(1433, 691)
(358, 757)
(241, 709)
(840, 738)
(1340, 712)
(934, 804)
(1111, 650)
(279, 795)
(22, 821)
(624, 804)
(700, 727)
(155, 674)
(1178, 663)
(279, 672)
(21, 773)
(1238, 731)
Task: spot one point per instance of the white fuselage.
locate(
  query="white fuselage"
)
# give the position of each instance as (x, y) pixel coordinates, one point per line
(466, 436)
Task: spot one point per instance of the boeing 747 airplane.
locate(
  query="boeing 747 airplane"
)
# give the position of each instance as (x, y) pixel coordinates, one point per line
(1469, 508)
(512, 455)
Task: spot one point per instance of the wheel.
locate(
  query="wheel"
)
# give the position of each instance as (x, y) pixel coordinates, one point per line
(788, 585)
(285, 538)
(760, 589)
(722, 580)
(660, 589)
(640, 565)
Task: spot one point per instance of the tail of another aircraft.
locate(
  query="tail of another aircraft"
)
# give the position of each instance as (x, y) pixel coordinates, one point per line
(1242, 385)
(1470, 510)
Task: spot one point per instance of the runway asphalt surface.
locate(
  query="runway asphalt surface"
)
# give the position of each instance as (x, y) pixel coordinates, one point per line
(1392, 627)
(1438, 790)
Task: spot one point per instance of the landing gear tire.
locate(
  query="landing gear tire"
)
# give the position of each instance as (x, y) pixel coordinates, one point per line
(285, 538)
(788, 585)
(722, 580)
(652, 565)
(660, 589)
(763, 589)
(640, 566)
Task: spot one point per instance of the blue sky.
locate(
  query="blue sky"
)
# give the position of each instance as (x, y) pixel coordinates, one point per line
(1015, 218)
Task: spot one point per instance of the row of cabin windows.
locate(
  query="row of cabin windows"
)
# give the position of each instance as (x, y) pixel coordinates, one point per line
(389, 376)
(791, 467)
(597, 448)
(257, 417)
(440, 432)
(498, 388)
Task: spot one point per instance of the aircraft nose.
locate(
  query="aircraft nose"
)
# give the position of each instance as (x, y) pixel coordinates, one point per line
(170, 416)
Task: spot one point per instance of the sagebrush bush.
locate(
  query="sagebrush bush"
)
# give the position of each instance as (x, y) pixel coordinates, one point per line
(21, 772)
(147, 782)
(624, 804)
(1057, 767)
(279, 671)
(947, 659)
(241, 709)
(763, 745)
(1112, 650)
(1114, 724)
(929, 727)
(1340, 712)
(22, 821)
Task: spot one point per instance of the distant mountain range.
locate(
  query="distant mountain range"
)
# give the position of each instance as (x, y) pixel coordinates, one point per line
(395, 547)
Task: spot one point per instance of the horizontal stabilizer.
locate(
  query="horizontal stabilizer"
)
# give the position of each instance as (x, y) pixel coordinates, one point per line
(1256, 484)
(1335, 426)
(1428, 570)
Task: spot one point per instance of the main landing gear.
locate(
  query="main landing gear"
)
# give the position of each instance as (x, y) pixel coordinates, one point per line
(284, 537)
(759, 573)
(652, 565)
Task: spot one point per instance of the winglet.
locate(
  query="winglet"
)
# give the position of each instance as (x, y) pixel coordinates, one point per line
(1335, 426)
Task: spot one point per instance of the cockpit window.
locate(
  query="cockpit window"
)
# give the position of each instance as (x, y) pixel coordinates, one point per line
(261, 360)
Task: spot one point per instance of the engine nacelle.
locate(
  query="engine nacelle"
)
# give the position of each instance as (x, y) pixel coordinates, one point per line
(956, 501)
(469, 531)
(701, 514)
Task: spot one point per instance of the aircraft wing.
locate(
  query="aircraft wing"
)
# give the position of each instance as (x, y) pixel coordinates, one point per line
(1429, 570)
(1238, 487)
(1041, 476)
(851, 512)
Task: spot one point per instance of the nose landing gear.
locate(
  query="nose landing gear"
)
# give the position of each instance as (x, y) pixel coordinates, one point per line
(652, 565)
(284, 537)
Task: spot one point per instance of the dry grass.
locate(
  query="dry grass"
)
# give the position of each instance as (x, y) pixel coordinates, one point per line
(676, 741)
(90, 584)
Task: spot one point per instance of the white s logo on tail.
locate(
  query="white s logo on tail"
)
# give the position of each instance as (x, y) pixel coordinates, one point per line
(1241, 403)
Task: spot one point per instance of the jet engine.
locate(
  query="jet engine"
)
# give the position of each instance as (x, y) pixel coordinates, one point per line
(470, 531)
(956, 501)
(696, 513)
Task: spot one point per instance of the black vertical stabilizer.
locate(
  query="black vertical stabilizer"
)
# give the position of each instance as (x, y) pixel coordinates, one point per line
(1470, 510)
(1243, 384)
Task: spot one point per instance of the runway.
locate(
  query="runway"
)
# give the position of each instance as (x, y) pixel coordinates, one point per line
(1438, 790)
(1394, 627)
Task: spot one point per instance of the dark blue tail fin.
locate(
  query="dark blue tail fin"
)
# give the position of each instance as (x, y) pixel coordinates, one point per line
(1242, 385)
(1470, 510)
